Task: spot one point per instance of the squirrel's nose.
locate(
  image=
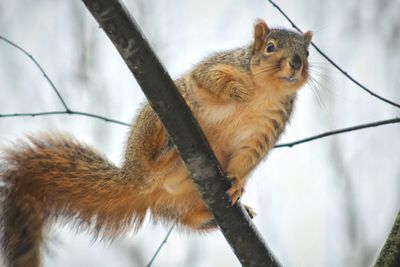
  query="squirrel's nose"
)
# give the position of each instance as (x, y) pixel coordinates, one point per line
(295, 62)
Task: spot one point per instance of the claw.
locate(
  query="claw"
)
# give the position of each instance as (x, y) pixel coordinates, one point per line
(250, 211)
(236, 190)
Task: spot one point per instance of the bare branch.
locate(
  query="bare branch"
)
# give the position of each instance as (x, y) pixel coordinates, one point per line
(39, 67)
(80, 113)
(339, 131)
(183, 130)
(390, 253)
(64, 112)
(161, 245)
(333, 62)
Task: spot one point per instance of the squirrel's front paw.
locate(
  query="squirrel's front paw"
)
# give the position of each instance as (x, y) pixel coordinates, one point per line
(237, 188)
(238, 92)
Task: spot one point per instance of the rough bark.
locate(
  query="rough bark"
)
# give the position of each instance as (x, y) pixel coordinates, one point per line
(390, 253)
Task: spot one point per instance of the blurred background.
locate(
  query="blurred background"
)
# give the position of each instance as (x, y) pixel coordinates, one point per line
(329, 202)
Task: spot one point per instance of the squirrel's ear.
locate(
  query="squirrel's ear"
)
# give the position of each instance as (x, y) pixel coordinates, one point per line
(261, 30)
(308, 36)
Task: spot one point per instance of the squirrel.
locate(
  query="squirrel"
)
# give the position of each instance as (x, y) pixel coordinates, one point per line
(242, 99)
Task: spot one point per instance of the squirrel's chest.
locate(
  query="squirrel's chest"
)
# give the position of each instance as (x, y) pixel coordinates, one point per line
(232, 126)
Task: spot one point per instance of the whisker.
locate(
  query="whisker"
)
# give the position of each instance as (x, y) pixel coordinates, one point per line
(314, 89)
(316, 81)
(321, 72)
(314, 65)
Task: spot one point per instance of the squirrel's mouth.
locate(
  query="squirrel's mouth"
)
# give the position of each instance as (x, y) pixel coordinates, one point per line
(290, 79)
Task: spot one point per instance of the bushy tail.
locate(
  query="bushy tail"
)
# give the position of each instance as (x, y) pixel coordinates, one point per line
(54, 176)
(22, 233)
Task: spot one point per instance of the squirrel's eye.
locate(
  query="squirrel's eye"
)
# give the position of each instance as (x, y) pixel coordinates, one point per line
(270, 48)
(307, 53)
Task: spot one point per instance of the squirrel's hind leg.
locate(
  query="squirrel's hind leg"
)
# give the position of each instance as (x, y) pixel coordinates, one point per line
(199, 219)
(149, 153)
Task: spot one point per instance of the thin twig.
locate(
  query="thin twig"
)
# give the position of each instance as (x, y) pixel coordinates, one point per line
(345, 73)
(40, 68)
(70, 112)
(161, 245)
(288, 144)
(64, 112)
(339, 131)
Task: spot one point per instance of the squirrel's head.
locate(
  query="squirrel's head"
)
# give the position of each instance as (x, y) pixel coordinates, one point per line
(280, 58)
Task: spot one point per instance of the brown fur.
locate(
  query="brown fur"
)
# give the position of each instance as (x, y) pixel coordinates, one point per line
(242, 99)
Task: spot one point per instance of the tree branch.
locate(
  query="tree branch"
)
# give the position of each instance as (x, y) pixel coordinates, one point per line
(68, 111)
(184, 131)
(41, 70)
(390, 253)
(345, 73)
(338, 131)
(64, 112)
